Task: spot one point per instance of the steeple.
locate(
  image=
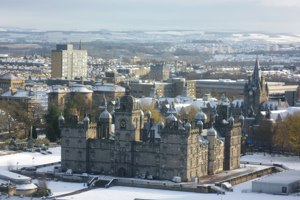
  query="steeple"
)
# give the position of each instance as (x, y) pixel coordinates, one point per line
(256, 76)
(80, 45)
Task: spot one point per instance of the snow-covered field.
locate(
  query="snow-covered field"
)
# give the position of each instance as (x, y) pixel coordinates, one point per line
(241, 191)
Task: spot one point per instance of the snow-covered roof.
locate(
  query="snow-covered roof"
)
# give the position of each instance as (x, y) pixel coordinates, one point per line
(145, 100)
(7, 175)
(80, 88)
(29, 186)
(284, 177)
(9, 76)
(237, 102)
(18, 94)
(58, 89)
(200, 103)
(203, 140)
(108, 88)
(276, 114)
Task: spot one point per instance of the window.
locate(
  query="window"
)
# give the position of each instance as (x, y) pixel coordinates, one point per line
(284, 190)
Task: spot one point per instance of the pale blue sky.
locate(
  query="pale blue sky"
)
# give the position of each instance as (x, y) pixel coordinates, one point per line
(215, 15)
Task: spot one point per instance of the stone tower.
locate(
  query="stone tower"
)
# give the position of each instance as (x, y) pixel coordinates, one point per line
(74, 143)
(255, 92)
(215, 152)
(104, 123)
(127, 133)
(230, 129)
(181, 153)
(127, 118)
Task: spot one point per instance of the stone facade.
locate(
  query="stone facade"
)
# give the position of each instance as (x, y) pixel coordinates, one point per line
(171, 88)
(140, 148)
(9, 81)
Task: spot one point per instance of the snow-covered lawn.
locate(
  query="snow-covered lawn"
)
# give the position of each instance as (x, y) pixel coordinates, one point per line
(128, 193)
(25, 159)
(241, 191)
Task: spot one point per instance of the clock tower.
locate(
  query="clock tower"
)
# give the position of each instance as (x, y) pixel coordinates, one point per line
(127, 119)
(127, 134)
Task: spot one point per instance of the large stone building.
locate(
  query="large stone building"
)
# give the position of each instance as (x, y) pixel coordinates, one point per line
(129, 143)
(68, 63)
(92, 96)
(172, 88)
(9, 81)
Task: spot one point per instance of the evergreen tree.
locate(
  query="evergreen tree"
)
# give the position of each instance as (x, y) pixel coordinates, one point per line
(53, 132)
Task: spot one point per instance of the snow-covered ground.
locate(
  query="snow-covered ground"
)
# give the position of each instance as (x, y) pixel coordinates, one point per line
(241, 191)
(26, 159)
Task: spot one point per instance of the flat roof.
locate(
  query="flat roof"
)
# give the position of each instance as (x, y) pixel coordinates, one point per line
(284, 177)
(4, 174)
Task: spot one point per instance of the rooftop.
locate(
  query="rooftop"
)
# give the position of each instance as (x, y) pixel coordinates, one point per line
(284, 177)
(108, 88)
(9, 76)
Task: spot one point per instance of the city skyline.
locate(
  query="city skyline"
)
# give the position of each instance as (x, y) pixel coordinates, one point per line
(89, 15)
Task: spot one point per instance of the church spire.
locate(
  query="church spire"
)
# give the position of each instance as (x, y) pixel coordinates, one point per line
(256, 73)
(80, 45)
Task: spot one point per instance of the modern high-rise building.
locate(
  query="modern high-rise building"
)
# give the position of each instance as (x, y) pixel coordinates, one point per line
(69, 63)
(159, 72)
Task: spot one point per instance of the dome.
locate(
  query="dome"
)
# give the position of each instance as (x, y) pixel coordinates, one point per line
(241, 118)
(105, 115)
(188, 125)
(148, 113)
(231, 120)
(86, 119)
(200, 124)
(200, 116)
(211, 132)
(61, 118)
(171, 118)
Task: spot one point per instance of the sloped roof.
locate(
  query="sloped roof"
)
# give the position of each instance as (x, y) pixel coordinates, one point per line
(9, 76)
(18, 94)
(275, 114)
(108, 88)
(58, 89)
(80, 88)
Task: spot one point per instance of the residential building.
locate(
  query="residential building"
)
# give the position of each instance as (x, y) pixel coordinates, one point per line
(68, 63)
(159, 72)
